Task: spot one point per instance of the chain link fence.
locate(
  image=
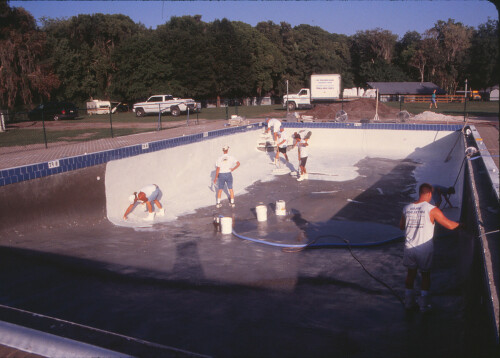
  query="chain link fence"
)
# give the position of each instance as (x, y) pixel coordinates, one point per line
(20, 131)
(47, 127)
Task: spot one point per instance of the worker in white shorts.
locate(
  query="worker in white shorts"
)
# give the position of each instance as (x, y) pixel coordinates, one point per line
(418, 221)
(303, 154)
(147, 195)
(281, 145)
(273, 124)
(225, 164)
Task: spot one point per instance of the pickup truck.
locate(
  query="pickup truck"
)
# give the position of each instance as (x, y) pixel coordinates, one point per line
(166, 103)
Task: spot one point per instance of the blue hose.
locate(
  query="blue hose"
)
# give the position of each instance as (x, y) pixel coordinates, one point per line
(269, 242)
(313, 244)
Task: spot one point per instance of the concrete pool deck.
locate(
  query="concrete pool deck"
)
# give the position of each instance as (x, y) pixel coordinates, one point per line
(38, 153)
(292, 305)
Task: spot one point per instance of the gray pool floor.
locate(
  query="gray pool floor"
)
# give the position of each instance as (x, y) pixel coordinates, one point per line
(186, 285)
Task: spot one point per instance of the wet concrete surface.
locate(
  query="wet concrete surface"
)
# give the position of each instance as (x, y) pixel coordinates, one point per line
(185, 285)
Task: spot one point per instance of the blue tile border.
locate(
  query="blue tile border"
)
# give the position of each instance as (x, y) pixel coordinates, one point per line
(39, 170)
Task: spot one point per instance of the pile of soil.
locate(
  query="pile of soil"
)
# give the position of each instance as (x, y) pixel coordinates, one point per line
(356, 110)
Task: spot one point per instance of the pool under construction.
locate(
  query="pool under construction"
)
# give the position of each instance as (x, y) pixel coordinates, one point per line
(320, 275)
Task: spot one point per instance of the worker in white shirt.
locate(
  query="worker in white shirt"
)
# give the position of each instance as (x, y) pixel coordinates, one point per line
(225, 164)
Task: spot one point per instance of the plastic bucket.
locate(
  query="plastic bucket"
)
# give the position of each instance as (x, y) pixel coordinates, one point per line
(261, 212)
(280, 208)
(226, 225)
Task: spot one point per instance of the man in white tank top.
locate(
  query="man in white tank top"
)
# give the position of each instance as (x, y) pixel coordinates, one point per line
(418, 221)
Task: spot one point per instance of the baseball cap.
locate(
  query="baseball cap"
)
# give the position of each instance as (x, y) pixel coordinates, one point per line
(226, 147)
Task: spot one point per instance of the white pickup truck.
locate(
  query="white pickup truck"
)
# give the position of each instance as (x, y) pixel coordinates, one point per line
(166, 103)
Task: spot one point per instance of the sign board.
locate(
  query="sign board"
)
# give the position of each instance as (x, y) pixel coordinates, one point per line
(325, 87)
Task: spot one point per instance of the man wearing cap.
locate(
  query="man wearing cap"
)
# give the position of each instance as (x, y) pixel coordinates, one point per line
(145, 196)
(225, 164)
(303, 134)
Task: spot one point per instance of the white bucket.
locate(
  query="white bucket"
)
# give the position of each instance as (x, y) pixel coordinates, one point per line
(261, 212)
(280, 208)
(226, 225)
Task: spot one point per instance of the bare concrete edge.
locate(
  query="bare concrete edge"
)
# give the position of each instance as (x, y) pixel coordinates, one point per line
(487, 237)
(46, 336)
(58, 199)
(490, 165)
(49, 345)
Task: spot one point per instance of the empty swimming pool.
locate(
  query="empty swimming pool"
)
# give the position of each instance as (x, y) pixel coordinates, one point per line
(179, 282)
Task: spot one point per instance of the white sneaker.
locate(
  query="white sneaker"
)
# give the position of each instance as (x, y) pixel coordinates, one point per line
(300, 178)
(306, 176)
(218, 205)
(150, 217)
(161, 212)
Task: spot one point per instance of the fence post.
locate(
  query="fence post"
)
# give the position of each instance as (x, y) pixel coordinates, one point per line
(43, 125)
(465, 99)
(158, 126)
(187, 119)
(111, 124)
(227, 111)
(2, 121)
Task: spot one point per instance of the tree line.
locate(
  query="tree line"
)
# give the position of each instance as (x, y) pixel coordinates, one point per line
(112, 57)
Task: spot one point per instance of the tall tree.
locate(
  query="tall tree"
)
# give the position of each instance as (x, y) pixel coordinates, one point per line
(426, 55)
(307, 50)
(483, 70)
(322, 52)
(81, 50)
(23, 74)
(267, 63)
(141, 68)
(406, 49)
(372, 54)
(231, 61)
(454, 42)
(183, 41)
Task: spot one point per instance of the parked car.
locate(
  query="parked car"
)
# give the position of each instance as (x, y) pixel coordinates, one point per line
(166, 103)
(54, 110)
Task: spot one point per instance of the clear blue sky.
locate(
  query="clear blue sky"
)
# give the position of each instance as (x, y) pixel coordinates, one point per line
(341, 17)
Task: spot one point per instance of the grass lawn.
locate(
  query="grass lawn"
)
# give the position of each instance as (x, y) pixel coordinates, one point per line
(35, 136)
(206, 113)
(474, 108)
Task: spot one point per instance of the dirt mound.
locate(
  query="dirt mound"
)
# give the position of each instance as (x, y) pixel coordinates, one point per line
(356, 110)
